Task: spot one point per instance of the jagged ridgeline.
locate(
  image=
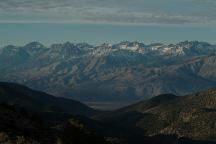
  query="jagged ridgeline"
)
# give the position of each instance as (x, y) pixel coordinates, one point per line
(127, 71)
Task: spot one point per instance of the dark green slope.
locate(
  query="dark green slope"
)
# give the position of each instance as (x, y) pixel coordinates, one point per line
(17, 126)
(39, 101)
(192, 116)
(45, 119)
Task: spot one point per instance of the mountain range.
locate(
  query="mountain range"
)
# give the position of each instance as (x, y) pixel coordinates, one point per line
(123, 72)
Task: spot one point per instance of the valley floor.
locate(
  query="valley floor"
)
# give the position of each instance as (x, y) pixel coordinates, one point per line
(108, 105)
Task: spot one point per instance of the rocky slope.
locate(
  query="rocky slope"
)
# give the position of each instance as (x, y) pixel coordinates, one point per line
(127, 71)
(192, 116)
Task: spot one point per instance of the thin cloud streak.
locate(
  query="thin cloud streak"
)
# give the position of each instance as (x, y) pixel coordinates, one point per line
(109, 11)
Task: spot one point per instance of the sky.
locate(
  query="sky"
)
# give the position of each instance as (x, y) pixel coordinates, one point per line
(110, 21)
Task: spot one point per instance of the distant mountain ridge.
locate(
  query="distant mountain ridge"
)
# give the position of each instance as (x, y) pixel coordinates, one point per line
(126, 71)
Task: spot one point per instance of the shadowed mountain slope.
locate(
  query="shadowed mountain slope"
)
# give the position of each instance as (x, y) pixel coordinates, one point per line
(166, 119)
(39, 101)
(191, 116)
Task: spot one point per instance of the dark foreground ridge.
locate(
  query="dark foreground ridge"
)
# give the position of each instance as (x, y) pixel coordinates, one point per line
(39, 101)
(191, 116)
(166, 119)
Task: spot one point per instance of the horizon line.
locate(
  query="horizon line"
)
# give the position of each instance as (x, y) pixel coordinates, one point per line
(95, 45)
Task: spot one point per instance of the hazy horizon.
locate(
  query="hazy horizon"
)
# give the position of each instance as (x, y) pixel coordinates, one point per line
(96, 34)
(102, 21)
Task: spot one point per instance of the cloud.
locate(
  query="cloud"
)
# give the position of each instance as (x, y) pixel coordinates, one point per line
(205, 2)
(109, 11)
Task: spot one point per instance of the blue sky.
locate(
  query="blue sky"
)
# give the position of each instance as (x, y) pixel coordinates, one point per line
(98, 21)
